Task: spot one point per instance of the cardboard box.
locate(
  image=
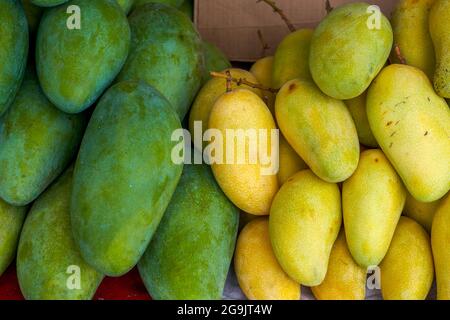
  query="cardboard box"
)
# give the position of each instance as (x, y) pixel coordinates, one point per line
(233, 25)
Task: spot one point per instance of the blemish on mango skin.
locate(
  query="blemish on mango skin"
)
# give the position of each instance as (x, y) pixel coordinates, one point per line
(292, 87)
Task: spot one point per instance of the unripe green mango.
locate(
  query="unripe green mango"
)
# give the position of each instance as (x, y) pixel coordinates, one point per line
(11, 220)
(412, 125)
(173, 3)
(47, 254)
(125, 5)
(410, 24)
(37, 141)
(215, 59)
(33, 14)
(75, 66)
(166, 52)
(13, 50)
(439, 26)
(124, 176)
(190, 254)
(319, 128)
(348, 49)
(48, 3)
(372, 201)
(291, 60)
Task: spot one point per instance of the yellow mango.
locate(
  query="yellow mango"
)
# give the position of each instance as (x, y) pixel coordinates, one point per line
(421, 212)
(407, 271)
(262, 70)
(291, 59)
(290, 162)
(372, 200)
(411, 33)
(258, 272)
(345, 279)
(440, 240)
(304, 223)
(412, 125)
(319, 128)
(213, 89)
(246, 184)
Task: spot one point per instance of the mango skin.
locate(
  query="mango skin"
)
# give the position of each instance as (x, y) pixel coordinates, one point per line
(215, 59)
(259, 274)
(262, 70)
(412, 125)
(48, 3)
(191, 252)
(407, 271)
(319, 128)
(37, 141)
(357, 108)
(410, 24)
(244, 184)
(345, 279)
(125, 5)
(439, 23)
(291, 60)
(166, 52)
(440, 238)
(421, 212)
(124, 176)
(304, 222)
(369, 222)
(70, 70)
(173, 3)
(345, 54)
(290, 162)
(11, 221)
(13, 51)
(33, 14)
(47, 249)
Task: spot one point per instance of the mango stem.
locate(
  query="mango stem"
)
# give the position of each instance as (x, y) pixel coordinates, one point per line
(280, 12)
(398, 52)
(328, 6)
(265, 46)
(240, 81)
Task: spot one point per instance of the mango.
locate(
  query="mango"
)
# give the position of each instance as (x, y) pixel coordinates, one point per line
(439, 23)
(190, 254)
(291, 60)
(319, 128)
(259, 274)
(75, 65)
(290, 162)
(345, 279)
(187, 7)
(37, 141)
(349, 48)
(173, 3)
(440, 235)
(357, 108)
(304, 223)
(11, 220)
(421, 212)
(250, 185)
(207, 96)
(262, 70)
(410, 24)
(412, 125)
(407, 271)
(166, 52)
(49, 264)
(124, 176)
(48, 3)
(372, 200)
(33, 14)
(125, 5)
(13, 51)
(215, 59)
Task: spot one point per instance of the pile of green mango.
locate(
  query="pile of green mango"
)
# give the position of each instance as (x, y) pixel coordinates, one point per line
(94, 93)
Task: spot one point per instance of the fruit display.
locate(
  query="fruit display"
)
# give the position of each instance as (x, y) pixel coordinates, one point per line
(137, 161)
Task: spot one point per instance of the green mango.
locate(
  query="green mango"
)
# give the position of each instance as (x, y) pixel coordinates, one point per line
(11, 220)
(13, 50)
(439, 26)
(191, 252)
(33, 14)
(187, 7)
(37, 141)
(48, 3)
(76, 66)
(48, 256)
(173, 3)
(124, 176)
(348, 49)
(166, 52)
(215, 59)
(125, 5)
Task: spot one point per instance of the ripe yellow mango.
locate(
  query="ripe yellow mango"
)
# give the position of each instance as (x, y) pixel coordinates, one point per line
(440, 239)
(291, 59)
(421, 212)
(407, 271)
(290, 162)
(304, 222)
(246, 184)
(262, 70)
(410, 25)
(345, 279)
(319, 128)
(259, 274)
(439, 24)
(208, 95)
(412, 125)
(372, 200)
